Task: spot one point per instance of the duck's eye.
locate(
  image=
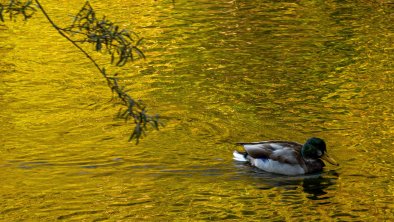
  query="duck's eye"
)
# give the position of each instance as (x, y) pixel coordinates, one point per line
(319, 153)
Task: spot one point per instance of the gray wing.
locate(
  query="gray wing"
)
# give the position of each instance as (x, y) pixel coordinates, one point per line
(281, 151)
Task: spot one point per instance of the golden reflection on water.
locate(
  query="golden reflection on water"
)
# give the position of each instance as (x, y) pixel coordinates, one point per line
(217, 72)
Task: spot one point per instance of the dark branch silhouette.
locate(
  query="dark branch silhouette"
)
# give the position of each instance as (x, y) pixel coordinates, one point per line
(107, 37)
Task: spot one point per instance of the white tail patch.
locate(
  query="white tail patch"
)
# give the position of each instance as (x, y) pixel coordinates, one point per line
(239, 157)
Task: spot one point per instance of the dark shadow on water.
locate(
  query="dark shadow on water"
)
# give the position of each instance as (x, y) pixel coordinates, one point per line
(313, 184)
(317, 186)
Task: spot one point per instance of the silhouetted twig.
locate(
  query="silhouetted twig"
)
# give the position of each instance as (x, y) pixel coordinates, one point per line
(120, 44)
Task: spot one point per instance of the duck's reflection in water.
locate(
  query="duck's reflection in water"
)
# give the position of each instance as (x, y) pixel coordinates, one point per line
(316, 185)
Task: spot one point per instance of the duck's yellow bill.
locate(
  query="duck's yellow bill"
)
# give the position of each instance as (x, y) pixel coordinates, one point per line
(327, 158)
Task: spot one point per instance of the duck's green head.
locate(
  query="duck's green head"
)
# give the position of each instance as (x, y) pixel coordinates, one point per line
(315, 148)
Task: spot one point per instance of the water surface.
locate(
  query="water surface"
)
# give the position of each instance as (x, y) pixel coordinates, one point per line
(218, 72)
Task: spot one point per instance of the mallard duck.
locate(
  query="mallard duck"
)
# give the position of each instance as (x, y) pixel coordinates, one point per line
(285, 157)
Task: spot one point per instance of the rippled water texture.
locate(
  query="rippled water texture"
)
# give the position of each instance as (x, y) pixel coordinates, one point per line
(218, 72)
